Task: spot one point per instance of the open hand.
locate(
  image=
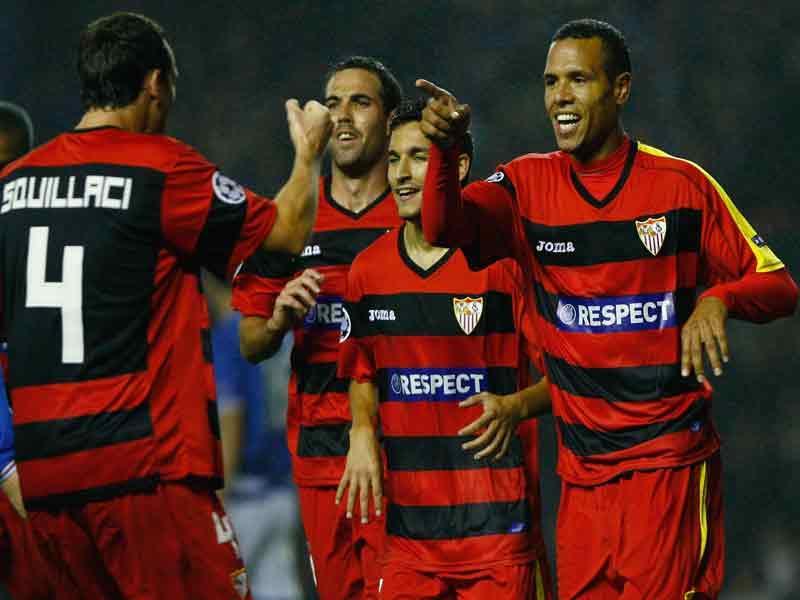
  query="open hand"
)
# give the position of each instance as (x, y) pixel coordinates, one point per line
(501, 415)
(363, 473)
(705, 329)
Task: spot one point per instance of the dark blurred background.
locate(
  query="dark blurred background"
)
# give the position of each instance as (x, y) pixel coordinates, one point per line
(715, 82)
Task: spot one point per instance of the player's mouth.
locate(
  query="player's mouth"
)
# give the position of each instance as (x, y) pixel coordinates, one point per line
(567, 123)
(406, 192)
(345, 136)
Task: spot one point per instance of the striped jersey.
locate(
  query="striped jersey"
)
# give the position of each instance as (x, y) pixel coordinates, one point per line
(428, 339)
(318, 414)
(615, 278)
(103, 233)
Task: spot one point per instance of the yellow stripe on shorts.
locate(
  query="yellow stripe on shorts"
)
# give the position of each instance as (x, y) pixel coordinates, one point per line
(703, 520)
(703, 510)
(540, 595)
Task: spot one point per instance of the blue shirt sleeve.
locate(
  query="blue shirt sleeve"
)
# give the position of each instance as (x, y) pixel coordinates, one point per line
(7, 465)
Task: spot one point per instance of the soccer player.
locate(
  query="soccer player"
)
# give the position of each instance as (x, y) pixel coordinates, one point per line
(430, 340)
(621, 235)
(103, 232)
(304, 295)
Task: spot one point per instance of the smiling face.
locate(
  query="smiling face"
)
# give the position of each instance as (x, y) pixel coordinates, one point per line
(408, 164)
(358, 142)
(581, 101)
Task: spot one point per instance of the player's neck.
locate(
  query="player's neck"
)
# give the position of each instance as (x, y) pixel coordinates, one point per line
(611, 162)
(417, 247)
(127, 118)
(610, 145)
(356, 193)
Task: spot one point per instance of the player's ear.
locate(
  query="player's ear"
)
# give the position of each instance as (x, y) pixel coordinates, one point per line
(464, 163)
(152, 81)
(622, 88)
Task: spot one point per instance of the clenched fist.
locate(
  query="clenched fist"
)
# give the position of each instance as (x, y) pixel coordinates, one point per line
(309, 127)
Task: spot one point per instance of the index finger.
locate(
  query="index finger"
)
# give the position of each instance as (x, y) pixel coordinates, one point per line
(431, 88)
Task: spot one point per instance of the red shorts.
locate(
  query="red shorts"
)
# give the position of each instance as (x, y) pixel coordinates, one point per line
(649, 534)
(507, 582)
(24, 568)
(175, 542)
(345, 554)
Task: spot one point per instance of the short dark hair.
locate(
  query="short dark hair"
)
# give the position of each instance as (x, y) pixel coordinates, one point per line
(410, 110)
(16, 124)
(617, 59)
(114, 55)
(391, 90)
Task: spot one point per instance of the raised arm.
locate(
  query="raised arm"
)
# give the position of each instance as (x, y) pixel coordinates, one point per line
(444, 122)
(481, 219)
(310, 128)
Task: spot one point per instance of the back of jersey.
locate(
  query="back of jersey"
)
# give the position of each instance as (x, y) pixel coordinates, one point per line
(102, 234)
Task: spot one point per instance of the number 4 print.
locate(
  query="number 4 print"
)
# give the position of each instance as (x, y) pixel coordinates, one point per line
(66, 294)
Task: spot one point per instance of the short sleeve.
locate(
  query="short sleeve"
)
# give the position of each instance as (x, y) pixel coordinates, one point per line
(356, 354)
(259, 281)
(731, 247)
(208, 217)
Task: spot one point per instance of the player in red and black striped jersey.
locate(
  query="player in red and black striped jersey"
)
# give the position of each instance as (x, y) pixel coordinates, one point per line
(304, 294)
(618, 237)
(103, 233)
(426, 343)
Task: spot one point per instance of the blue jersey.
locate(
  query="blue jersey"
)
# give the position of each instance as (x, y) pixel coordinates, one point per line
(245, 387)
(7, 466)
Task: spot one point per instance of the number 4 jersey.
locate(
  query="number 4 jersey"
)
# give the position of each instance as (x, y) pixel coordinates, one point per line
(103, 234)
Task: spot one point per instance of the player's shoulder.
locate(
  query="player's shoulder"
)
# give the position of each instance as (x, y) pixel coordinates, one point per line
(538, 160)
(373, 259)
(655, 159)
(533, 163)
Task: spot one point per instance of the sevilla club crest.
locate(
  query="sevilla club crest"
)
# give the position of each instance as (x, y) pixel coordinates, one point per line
(468, 312)
(652, 233)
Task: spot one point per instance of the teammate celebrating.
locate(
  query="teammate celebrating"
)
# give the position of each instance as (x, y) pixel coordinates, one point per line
(429, 334)
(305, 295)
(622, 236)
(104, 231)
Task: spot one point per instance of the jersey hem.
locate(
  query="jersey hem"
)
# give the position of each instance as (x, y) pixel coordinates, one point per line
(448, 567)
(640, 465)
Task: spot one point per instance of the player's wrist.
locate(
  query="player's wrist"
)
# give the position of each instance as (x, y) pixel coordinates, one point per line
(362, 429)
(517, 406)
